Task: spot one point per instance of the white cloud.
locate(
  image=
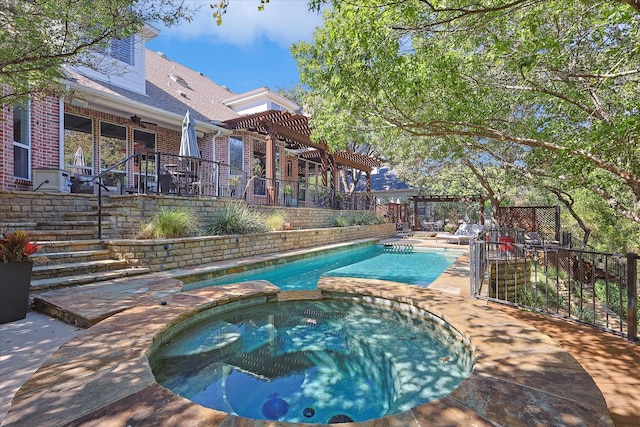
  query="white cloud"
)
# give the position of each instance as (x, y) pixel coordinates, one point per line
(282, 21)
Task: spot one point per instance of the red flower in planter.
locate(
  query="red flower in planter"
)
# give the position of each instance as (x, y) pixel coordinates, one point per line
(16, 247)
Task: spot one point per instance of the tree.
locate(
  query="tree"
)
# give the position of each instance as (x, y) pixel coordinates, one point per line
(37, 37)
(559, 80)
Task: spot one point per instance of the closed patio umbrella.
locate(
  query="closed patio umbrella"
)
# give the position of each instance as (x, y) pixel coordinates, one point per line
(189, 140)
(78, 160)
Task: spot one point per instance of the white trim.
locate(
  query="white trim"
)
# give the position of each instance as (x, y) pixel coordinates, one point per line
(61, 133)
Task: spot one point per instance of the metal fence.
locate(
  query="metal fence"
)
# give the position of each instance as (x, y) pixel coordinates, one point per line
(164, 173)
(601, 289)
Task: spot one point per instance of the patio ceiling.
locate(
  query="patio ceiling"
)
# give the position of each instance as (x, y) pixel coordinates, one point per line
(295, 132)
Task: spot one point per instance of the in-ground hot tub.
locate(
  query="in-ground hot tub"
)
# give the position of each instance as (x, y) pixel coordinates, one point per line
(312, 361)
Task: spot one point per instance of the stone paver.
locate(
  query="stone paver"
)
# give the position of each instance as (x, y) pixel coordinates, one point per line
(516, 358)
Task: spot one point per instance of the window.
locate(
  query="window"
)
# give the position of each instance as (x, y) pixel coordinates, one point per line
(259, 167)
(21, 142)
(236, 155)
(144, 143)
(78, 144)
(122, 49)
(113, 149)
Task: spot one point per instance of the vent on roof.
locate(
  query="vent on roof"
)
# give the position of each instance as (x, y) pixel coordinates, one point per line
(182, 94)
(162, 55)
(176, 78)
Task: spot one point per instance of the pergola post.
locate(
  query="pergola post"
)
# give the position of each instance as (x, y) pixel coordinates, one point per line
(416, 219)
(270, 160)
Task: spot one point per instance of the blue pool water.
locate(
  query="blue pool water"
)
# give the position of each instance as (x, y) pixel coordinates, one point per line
(313, 361)
(420, 267)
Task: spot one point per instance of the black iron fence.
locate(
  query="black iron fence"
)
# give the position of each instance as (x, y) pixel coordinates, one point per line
(165, 173)
(513, 267)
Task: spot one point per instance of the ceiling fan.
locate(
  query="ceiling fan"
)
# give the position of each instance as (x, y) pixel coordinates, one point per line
(137, 120)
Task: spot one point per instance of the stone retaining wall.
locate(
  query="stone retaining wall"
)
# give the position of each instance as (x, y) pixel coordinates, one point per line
(125, 213)
(169, 254)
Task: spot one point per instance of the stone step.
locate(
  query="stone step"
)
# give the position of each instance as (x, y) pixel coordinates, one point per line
(69, 246)
(12, 226)
(87, 278)
(75, 268)
(57, 258)
(72, 225)
(55, 235)
(86, 216)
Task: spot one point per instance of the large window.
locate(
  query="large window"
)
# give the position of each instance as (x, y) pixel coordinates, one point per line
(78, 144)
(236, 155)
(113, 149)
(21, 143)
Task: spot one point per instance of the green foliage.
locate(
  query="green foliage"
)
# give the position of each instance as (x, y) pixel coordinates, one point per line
(340, 221)
(358, 218)
(539, 296)
(236, 218)
(16, 246)
(616, 299)
(37, 38)
(170, 223)
(275, 220)
(543, 93)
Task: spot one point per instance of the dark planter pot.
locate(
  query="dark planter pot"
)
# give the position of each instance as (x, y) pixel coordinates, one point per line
(15, 282)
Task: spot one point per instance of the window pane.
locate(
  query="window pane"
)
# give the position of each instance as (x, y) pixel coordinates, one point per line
(21, 142)
(113, 145)
(144, 143)
(21, 125)
(21, 162)
(236, 154)
(78, 145)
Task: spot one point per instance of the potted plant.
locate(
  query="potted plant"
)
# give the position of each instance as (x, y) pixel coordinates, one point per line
(287, 190)
(15, 271)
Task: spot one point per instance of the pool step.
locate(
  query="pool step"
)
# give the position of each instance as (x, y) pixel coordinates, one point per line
(398, 248)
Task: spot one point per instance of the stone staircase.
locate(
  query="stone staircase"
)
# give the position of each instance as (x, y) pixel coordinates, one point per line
(71, 254)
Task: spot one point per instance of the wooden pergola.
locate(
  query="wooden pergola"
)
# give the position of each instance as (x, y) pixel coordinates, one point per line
(444, 198)
(294, 132)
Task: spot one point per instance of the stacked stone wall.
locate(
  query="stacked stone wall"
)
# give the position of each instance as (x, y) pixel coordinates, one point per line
(125, 214)
(178, 253)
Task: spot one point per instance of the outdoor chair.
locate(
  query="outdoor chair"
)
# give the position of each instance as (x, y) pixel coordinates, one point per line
(464, 233)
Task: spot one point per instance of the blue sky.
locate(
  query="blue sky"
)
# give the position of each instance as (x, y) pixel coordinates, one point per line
(249, 50)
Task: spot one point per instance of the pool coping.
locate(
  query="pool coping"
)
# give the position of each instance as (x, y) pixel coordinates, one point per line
(102, 376)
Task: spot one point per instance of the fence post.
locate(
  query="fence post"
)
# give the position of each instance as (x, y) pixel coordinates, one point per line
(473, 268)
(632, 295)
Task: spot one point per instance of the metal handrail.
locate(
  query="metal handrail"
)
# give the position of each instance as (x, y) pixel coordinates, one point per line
(98, 180)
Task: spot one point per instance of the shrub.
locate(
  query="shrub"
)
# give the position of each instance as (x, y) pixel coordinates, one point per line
(236, 219)
(275, 220)
(340, 221)
(359, 218)
(170, 223)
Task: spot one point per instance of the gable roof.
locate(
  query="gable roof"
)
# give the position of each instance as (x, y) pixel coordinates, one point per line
(263, 92)
(171, 90)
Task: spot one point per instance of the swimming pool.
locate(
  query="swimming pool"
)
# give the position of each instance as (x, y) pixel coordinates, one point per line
(418, 267)
(313, 361)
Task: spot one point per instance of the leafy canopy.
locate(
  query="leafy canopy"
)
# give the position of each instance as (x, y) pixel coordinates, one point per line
(556, 83)
(37, 37)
